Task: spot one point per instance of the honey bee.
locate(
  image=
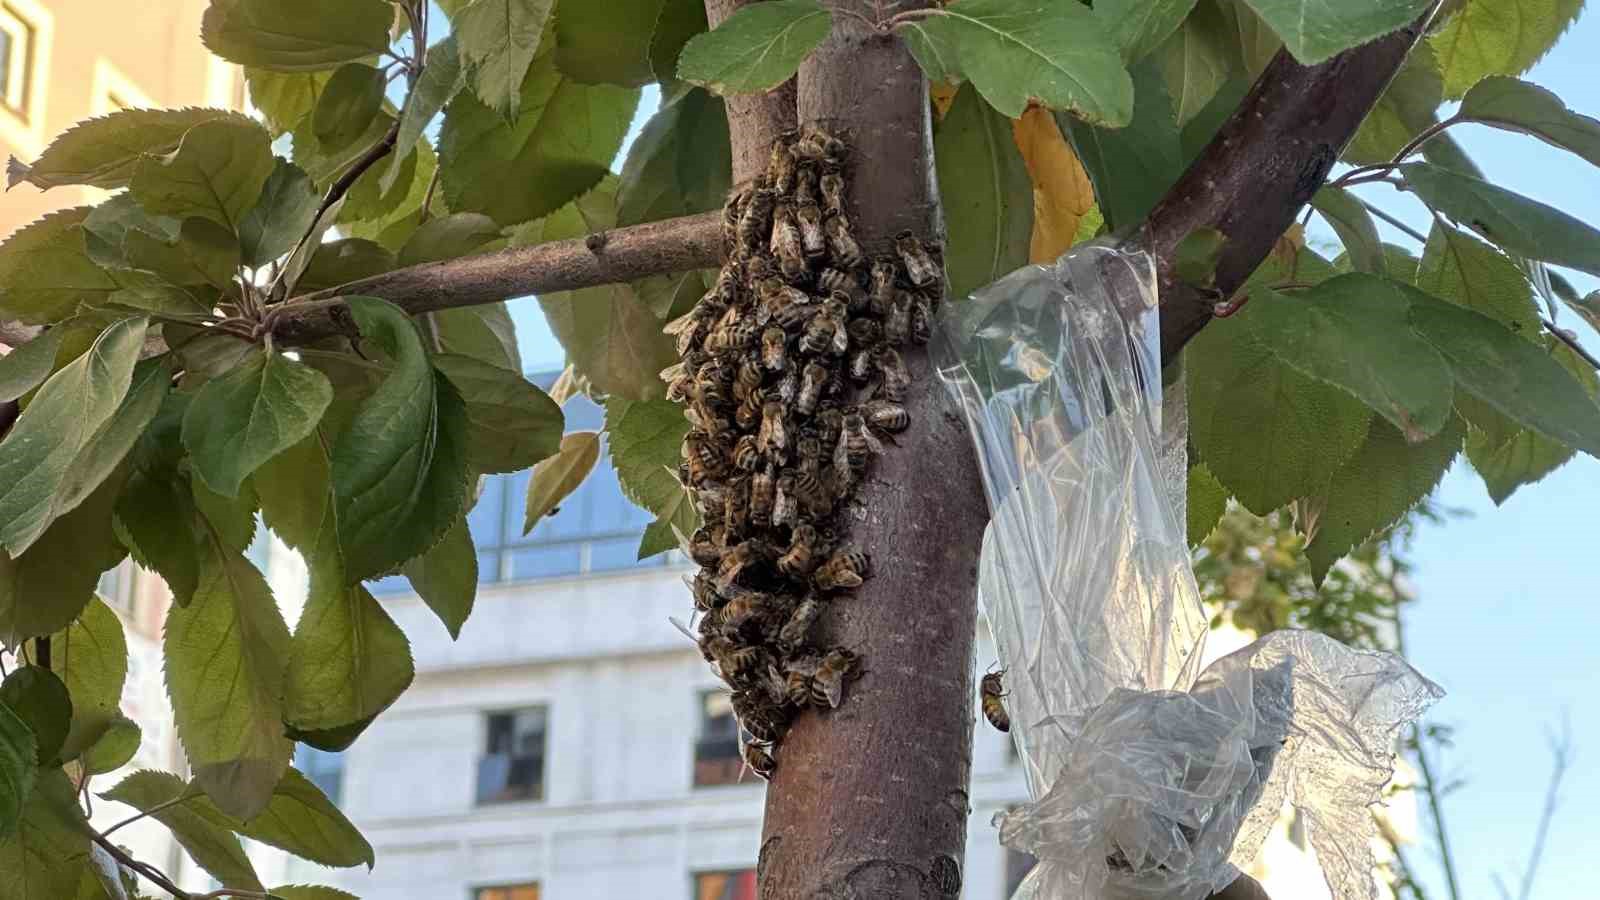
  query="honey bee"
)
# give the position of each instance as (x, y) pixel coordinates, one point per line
(734, 337)
(788, 386)
(805, 186)
(886, 416)
(709, 394)
(786, 243)
(775, 294)
(759, 761)
(745, 455)
(833, 281)
(843, 570)
(742, 556)
(731, 211)
(797, 630)
(808, 450)
(811, 381)
(688, 329)
(704, 546)
(991, 690)
(835, 386)
(782, 166)
(735, 509)
(679, 383)
(749, 413)
(861, 365)
(897, 324)
(709, 499)
(704, 591)
(826, 331)
(698, 447)
(856, 446)
(818, 146)
(800, 560)
(725, 290)
(833, 193)
(744, 608)
(755, 218)
(764, 717)
(864, 331)
(809, 219)
(921, 268)
(896, 379)
(797, 678)
(829, 422)
(773, 342)
(783, 504)
(774, 435)
(846, 251)
(759, 267)
(921, 318)
(827, 685)
(748, 377)
(813, 493)
(882, 292)
(763, 493)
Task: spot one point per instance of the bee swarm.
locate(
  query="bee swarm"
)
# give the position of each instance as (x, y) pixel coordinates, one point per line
(789, 375)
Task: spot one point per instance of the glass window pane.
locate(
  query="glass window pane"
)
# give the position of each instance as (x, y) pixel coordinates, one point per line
(610, 511)
(544, 562)
(572, 520)
(391, 584)
(488, 567)
(515, 488)
(5, 63)
(583, 415)
(484, 520)
(619, 553)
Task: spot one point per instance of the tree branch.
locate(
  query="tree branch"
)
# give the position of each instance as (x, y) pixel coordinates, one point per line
(607, 257)
(1262, 166)
(754, 120)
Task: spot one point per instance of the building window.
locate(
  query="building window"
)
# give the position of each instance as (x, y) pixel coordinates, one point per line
(595, 530)
(740, 885)
(17, 48)
(512, 767)
(508, 892)
(716, 749)
(1018, 865)
(322, 768)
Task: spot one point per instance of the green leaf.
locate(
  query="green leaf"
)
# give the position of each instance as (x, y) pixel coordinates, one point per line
(390, 215)
(348, 104)
(554, 478)
(1056, 54)
(1381, 482)
(399, 468)
(560, 145)
(204, 834)
(102, 152)
(446, 577)
(27, 365)
(348, 660)
(46, 270)
(1354, 226)
(680, 163)
(646, 441)
(1196, 60)
(340, 262)
(156, 512)
(284, 99)
(987, 196)
(1314, 30)
(91, 659)
(679, 21)
(934, 49)
(216, 173)
(46, 856)
(1498, 37)
(455, 235)
(499, 39)
(757, 48)
(204, 253)
(281, 215)
(482, 332)
(240, 421)
(114, 746)
(19, 766)
(1513, 375)
(64, 415)
(301, 820)
(225, 656)
(1519, 106)
(610, 335)
(1208, 500)
(511, 423)
(1267, 432)
(310, 892)
(1140, 26)
(1131, 167)
(41, 701)
(612, 43)
(442, 79)
(296, 35)
(1525, 458)
(1408, 105)
(110, 443)
(1464, 270)
(1195, 258)
(294, 489)
(1522, 226)
(1352, 332)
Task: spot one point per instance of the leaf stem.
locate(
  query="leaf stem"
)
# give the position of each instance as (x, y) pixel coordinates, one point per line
(900, 18)
(1425, 135)
(1394, 221)
(145, 869)
(167, 804)
(1572, 342)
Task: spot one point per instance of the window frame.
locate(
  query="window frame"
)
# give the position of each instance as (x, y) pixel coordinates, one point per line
(737, 759)
(22, 123)
(697, 874)
(476, 891)
(541, 794)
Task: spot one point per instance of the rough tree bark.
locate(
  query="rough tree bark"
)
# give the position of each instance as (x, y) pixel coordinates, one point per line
(754, 120)
(870, 800)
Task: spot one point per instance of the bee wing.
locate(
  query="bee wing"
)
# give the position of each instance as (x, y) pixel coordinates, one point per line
(683, 539)
(680, 324)
(841, 453)
(841, 338)
(832, 684)
(873, 444)
(678, 624)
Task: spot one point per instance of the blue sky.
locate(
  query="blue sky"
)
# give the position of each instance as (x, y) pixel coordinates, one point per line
(1509, 611)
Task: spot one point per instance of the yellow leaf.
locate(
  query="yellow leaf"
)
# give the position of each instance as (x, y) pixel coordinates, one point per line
(1062, 193)
(942, 94)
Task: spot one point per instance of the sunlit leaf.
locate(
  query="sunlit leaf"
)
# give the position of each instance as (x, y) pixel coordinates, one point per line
(116, 740)
(1498, 37)
(1519, 106)
(46, 856)
(284, 99)
(613, 43)
(26, 366)
(554, 478)
(46, 270)
(208, 839)
(348, 103)
(1314, 30)
(1522, 226)
(217, 173)
(91, 659)
(645, 441)
(296, 35)
(757, 48)
(446, 577)
(1407, 106)
(499, 39)
(1462, 269)
(1208, 500)
(102, 152)
(240, 421)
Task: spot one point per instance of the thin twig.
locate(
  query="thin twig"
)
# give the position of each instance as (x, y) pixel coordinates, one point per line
(427, 199)
(1561, 751)
(1427, 134)
(900, 18)
(1566, 338)
(1394, 221)
(167, 804)
(148, 871)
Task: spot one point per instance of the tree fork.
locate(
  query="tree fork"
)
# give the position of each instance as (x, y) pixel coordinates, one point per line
(870, 800)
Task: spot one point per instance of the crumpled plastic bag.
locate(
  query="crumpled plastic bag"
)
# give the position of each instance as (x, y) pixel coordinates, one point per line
(1150, 778)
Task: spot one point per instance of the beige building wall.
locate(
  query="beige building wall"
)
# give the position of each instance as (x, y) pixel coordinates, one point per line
(82, 58)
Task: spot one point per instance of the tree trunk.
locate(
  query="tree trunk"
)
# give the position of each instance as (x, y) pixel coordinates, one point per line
(870, 800)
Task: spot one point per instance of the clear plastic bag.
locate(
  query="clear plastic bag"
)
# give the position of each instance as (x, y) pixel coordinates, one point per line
(1150, 778)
